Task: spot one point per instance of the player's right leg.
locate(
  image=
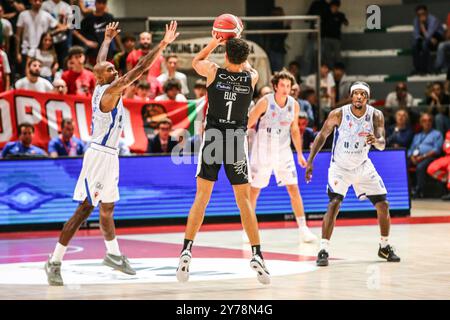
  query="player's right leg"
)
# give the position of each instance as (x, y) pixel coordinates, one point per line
(53, 265)
(195, 220)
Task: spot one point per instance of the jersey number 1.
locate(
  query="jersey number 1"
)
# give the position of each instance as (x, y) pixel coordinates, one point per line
(229, 104)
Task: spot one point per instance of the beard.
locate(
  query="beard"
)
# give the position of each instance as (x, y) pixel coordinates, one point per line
(35, 73)
(146, 46)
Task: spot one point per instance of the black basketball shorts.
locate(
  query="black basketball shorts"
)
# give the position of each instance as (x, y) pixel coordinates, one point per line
(228, 147)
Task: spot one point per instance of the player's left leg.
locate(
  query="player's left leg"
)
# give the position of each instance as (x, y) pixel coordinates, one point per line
(113, 258)
(385, 250)
(299, 212)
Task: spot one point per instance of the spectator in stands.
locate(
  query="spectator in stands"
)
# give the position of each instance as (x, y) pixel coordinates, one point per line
(342, 85)
(438, 102)
(142, 90)
(12, 10)
(31, 24)
(62, 12)
(92, 32)
(172, 91)
(308, 135)
(156, 88)
(66, 144)
(162, 142)
(80, 81)
(400, 134)
(23, 146)
(120, 59)
(428, 32)
(172, 73)
(200, 88)
(426, 146)
(86, 6)
(440, 168)
(294, 69)
(60, 86)
(327, 87)
(305, 106)
(5, 72)
(443, 49)
(276, 42)
(145, 45)
(6, 31)
(47, 55)
(331, 42)
(263, 91)
(310, 96)
(400, 97)
(33, 81)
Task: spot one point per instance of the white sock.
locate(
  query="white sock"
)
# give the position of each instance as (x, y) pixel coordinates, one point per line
(59, 252)
(384, 242)
(301, 221)
(112, 247)
(324, 244)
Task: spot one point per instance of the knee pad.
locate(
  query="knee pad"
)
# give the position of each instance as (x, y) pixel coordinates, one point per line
(377, 198)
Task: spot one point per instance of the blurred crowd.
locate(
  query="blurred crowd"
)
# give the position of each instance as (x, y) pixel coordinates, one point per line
(40, 52)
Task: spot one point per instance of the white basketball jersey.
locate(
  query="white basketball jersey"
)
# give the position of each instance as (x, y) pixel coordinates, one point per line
(350, 149)
(106, 127)
(274, 126)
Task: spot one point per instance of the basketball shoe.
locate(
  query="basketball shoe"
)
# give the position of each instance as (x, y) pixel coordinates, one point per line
(120, 263)
(322, 258)
(183, 266)
(388, 254)
(53, 271)
(257, 264)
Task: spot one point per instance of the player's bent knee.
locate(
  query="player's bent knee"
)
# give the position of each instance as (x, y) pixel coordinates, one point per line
(379, 200)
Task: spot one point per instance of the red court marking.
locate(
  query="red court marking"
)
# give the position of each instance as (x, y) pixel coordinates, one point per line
(224, 227)
(12, 251)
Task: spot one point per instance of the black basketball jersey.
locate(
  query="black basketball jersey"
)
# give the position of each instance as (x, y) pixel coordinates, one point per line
(229, 98)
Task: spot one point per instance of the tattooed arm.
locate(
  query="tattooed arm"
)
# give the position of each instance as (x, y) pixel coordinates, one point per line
(334, 119)
(377, 138)
(110, 33)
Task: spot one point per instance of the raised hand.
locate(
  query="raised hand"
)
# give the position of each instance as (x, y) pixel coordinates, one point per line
(216, 39)
(171, 32)
(112, 30)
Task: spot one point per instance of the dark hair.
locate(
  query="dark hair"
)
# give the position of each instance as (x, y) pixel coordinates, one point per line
(200, 83)
(306, 93)
(101, 1)
(294, 63)
(237, 50)
(33, 60)
(64, 121)
(421, 7)
(24, 125)
(128, 36)
(41, 41)
(75, 50)
(170, 84)
(143, 85)
(339, 65)
(165, 121)
(440, 84)
(283, 74)
(324, 64)
(335, 2)
(171, 56)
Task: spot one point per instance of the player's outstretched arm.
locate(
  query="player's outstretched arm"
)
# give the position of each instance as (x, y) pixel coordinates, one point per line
(117, 86)
(110, 33)
(333, 120)
(378, 138)
(256, 113)
(202, 65)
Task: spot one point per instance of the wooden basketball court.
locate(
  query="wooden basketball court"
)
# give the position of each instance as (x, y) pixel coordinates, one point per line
(220, 266)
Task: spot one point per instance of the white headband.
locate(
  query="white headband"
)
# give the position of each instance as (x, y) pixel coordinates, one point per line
(360, 86)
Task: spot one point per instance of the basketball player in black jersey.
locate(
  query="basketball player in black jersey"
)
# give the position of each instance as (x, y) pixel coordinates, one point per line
(230, 91)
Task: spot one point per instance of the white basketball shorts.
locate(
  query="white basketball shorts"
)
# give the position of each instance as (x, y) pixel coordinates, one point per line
(99, 177)
(365, 180)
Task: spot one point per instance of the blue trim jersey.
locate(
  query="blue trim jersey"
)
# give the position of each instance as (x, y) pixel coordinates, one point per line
(106, 127)
(16, 148)
(350, 149)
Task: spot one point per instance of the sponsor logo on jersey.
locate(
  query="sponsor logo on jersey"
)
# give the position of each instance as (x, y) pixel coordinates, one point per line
(223, 86)
(233, 78)
(241, 89)
(363, 134)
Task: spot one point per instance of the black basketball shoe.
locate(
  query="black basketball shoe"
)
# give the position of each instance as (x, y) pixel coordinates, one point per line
(388, 254)
(322, 258)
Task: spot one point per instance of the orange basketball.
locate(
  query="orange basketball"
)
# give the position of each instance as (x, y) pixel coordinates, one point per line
(228, 26)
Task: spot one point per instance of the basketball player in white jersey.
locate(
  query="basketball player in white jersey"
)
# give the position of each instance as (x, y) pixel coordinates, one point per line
(357, 127)
(99, 177)
(271, 151)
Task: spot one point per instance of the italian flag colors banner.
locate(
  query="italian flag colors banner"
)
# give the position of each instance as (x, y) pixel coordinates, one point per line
(46, 110)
